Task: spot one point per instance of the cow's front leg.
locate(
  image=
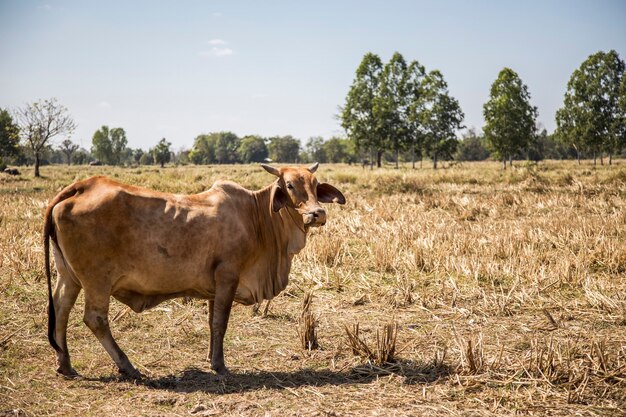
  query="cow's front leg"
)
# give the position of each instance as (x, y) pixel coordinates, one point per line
(211, 308)
(226, 285)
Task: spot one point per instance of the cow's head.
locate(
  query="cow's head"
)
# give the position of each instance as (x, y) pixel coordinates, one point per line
(298, 189)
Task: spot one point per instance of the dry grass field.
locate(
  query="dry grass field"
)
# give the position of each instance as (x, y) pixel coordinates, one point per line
(476, 292)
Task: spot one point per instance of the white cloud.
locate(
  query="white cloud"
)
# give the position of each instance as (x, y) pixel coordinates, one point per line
(104, 105)
(218, 49)
(217, 14)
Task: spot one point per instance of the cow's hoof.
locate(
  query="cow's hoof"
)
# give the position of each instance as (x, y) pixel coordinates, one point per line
(131, 373)
(221, 370)
(68, 373)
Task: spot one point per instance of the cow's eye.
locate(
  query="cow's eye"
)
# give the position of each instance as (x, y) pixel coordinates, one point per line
(289, 186)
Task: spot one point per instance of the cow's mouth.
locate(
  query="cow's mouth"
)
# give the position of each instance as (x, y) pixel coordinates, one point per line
(314, 218)
(310, 221)
(315, 224)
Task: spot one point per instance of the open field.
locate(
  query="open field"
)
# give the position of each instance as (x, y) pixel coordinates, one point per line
(508, 290)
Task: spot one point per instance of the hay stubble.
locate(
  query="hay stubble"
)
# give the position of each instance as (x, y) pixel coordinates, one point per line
(508, 291)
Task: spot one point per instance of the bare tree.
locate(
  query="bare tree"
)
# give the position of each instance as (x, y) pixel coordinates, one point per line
(41, 121)
(68, 148)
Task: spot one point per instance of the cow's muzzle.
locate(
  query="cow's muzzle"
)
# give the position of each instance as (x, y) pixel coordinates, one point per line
(314, 218)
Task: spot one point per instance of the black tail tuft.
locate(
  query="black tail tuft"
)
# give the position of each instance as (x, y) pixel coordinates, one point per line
(51, 327)
(51, 313)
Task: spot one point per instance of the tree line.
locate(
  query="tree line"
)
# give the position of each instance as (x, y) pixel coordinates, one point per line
(109, 146)
(228, 148)
(393, 112)
(398, 107)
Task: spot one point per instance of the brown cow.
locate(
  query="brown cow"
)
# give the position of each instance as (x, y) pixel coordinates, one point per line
(144, 247)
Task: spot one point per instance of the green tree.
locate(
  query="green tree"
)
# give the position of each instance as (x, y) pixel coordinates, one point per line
(592, 118)
(216, 147)
(284, 149)
(226, 146)
(441, 118)
(147, 158)
(537, 147)
(182, 157)
(509, 116)
(390, 105)
(161, 152)
(203, 150)
(415, 97)
(68, 148)
(101, 146)
(622, 109)
(315, 149)
(472, 147)
(41, 121)
(81, 157)
(118, 146)
(136, 155)
(252, 149)
(109, 146)
(358, 117)
(54, 156)
(9, 136)
(338, 150)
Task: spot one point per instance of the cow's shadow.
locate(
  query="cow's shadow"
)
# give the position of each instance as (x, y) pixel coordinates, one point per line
(197, 380)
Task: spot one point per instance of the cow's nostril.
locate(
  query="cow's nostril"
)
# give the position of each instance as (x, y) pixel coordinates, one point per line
(317, 215)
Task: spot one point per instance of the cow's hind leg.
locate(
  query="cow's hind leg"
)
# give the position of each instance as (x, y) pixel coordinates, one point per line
(226, 285)
(96, 318)
(64, 297)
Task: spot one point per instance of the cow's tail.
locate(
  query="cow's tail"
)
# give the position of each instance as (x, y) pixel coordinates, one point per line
(48, 231)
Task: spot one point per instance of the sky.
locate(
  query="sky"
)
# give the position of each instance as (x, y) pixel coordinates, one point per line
(177, 69)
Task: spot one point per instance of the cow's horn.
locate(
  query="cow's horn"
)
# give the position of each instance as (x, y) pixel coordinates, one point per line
(313, 167)
(271, 170)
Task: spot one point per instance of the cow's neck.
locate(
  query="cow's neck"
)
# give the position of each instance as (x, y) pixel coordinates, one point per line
(285, 228)
(279, 239)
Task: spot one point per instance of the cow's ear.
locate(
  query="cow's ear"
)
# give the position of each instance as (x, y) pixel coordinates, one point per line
(278, 199)
(326, 193)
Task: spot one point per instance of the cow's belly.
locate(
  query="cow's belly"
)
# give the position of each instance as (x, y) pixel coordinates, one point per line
(163, 282)
(144, 291)
(140, 302)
